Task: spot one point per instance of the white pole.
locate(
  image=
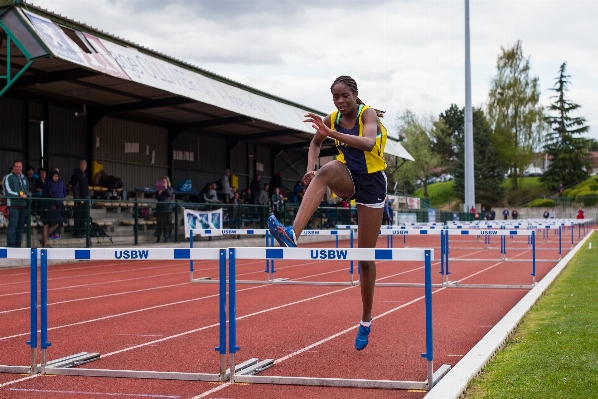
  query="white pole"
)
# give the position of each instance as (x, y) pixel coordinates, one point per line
(469, 166)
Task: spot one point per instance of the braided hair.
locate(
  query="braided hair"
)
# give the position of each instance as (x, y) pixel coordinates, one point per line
(352, 84)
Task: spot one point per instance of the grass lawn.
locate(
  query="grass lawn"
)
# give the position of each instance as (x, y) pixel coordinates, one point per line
(529, 188)
(553, 353)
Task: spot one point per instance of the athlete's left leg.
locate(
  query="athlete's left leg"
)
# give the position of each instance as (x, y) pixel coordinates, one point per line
(370, 220)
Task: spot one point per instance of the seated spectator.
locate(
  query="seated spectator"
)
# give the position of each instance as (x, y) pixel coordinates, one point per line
(301, 194)
(213, 194)
(206, 195)
(247, 198)
(580, 214)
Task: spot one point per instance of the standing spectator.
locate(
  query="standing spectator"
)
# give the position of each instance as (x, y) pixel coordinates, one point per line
(16, 189)
(60, 189)
(255, 187)
(546, 215)
(52, 218)
(80, 185)
(262, 198)
(505, 213)
(30, 175)
(492, 214)
(40, 182)
(225, 186)
(472, 210)
(580, 214)
(276, 202)
(164, 210)
(276, 182)
(560, 190)
(387, 213)
(514, 214)
(552, 213)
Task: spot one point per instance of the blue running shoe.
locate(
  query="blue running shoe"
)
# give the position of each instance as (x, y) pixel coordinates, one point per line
(284, 235)
(362, 337)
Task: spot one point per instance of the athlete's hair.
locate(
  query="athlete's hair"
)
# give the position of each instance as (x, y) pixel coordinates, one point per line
(352, 84)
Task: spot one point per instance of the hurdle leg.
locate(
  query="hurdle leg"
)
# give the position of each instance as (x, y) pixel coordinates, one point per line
(33, 311)
(44, 308)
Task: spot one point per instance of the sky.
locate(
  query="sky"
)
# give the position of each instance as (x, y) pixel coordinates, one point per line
(404, 54)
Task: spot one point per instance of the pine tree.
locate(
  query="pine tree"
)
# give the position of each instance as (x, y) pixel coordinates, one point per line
(489, 170)
(568, 154)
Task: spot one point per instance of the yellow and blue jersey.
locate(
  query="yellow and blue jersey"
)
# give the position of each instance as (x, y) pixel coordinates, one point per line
(359, 161)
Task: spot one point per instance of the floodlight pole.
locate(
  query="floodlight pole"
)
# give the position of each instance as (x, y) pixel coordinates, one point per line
(469, 166)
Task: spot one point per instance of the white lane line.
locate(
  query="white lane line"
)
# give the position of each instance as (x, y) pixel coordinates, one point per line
(56, 391)
(99, 296)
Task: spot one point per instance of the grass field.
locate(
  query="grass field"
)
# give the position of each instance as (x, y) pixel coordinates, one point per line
(553, 352)
(530, 188)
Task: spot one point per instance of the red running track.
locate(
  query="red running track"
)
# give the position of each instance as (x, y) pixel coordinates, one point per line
(146, 315)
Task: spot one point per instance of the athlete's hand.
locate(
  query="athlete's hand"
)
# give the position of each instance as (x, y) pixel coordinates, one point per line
(309, 176)
(318, 124)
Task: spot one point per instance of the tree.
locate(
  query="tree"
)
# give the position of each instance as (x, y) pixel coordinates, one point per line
(593, 145)
(445, 143)
(514, 111)
(418, 142)
(568, 154)
(489, 170)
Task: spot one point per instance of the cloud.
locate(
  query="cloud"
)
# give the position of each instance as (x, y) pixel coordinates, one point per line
(403, 54)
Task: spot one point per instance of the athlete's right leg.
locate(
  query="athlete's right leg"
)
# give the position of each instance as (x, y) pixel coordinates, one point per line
(334, 175)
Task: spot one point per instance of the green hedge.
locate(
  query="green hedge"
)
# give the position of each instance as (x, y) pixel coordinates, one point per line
(541, 203)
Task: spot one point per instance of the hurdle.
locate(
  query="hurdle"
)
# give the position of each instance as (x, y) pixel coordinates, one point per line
(124, 254)
(364, 254)
(501, 233)
(270, 267)
(31, 254)
(236, 232)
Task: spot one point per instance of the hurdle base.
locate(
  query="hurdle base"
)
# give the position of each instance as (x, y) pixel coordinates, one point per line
(456, 284)
(158, 375)
(69, 361)
(15, 369)
(343, 382)
(250, 367)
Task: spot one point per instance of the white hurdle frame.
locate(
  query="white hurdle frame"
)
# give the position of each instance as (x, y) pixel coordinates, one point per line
(128, 254)
(360, 254)
(270, 268)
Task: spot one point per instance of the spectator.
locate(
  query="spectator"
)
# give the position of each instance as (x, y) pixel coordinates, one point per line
(247, 197)
(296, 191)
(62, 191)
(80, 185)
(30, 175)
(387, 214)
(492, 214)
(483, 214)
(255, 187)
(546, 215)
(40, 182)
(560, 190)
(472, 210)
(275, 183)
(514, 214)
(225, 186)
(580, 214)
(213, 194)
(505, 213)
(164, 210)
(51, 214)
(277, 202)
(263, 196)
(301, 194)
(552, 213)
(16, 188)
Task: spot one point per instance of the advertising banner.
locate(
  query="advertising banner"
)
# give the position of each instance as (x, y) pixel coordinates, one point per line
(195, 219)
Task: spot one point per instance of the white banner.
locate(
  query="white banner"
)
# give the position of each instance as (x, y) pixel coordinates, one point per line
(202, 220)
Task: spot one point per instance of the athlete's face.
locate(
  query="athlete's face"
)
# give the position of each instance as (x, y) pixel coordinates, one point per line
(344, 98)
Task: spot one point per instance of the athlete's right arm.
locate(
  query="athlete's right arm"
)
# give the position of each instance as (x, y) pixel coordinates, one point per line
(314, 152)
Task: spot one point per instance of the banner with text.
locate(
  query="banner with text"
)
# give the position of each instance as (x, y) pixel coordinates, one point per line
(195, 219)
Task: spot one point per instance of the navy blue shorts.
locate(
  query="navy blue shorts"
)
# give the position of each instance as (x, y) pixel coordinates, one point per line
(370, 189)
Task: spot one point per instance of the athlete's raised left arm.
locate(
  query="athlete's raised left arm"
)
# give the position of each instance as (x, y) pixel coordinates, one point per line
(366, 142)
